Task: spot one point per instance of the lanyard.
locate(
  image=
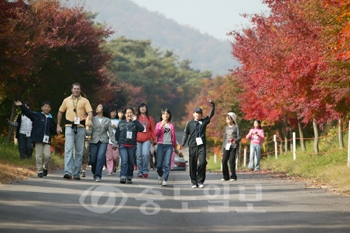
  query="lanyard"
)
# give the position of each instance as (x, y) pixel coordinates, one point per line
(45, 124)
(75, 106)
(197, 132)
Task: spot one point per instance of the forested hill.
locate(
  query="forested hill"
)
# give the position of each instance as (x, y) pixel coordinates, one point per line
(134, 22)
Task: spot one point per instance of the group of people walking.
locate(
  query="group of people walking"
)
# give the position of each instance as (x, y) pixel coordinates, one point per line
(115, 133)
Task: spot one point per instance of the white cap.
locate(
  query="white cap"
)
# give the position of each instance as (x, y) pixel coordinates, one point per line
(233, 116)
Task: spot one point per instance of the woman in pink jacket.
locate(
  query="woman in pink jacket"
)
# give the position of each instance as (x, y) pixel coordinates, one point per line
(256, 136)
(166, 143)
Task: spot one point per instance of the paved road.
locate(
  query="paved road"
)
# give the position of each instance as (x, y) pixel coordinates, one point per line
(254, 203)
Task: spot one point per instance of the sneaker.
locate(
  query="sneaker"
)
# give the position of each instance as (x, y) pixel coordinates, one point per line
(233, 179)
(98, 179)
(122, 180)
(145, 175)
(129, 181)
(109, 174)
(83, 174)
(164, 183)
(200, 185)
(139, 175)
(40, 175)
(66, 176)
(160, 179)
(223, 179)
(193, 186)
(44, 172)
(77, 178)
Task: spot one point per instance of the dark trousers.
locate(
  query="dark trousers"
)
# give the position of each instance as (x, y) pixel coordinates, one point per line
(25, 146)
(198, 164)
(230, 157)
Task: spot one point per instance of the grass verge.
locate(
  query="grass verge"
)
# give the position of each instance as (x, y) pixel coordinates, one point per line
(214, 166)
(328, 170)
(13, 168)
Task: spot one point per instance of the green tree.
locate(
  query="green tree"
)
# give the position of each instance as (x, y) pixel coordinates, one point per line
(164, 81)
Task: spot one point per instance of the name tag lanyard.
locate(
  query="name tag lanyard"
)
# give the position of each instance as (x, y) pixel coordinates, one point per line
(46, 136)
(198, 133)
(76, 119)
(128, 130)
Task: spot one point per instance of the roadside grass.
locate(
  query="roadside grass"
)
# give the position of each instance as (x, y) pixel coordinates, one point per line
(212, 166)
(328, 169)
(13, 168)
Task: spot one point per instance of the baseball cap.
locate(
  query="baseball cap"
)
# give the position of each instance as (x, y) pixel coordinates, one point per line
(198, 110)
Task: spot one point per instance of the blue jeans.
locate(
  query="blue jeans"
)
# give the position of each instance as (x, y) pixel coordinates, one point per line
(254, 148)
(97, 158)
(73, 142)
(126, 161)
(164, 152)
(142, 157)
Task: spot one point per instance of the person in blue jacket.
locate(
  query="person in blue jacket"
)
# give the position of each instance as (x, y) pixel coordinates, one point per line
(44, 127)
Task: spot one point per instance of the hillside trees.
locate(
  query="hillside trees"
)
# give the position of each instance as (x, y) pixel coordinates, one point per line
(48, 47)
(162, 80)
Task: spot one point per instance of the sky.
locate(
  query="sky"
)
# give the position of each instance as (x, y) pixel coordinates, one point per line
(214, 17)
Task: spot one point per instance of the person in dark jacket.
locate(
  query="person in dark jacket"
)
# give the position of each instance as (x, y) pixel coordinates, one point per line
(230, 147)
(125, 135)
(23, 133)
(194, 133)
(44, 127)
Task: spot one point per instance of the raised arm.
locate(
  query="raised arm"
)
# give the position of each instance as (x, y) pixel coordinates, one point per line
(212, 111)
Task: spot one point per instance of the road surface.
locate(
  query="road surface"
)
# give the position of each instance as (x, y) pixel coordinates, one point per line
(253, 203)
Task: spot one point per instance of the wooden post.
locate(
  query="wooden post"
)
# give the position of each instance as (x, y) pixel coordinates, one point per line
(244, 157)
(294, 147)
(275, 140)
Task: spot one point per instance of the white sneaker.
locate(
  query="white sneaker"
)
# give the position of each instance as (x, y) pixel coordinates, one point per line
(160, 179)
(193, 186)
(109, 174)
(164, 183)
(222, 179)
(200, 185)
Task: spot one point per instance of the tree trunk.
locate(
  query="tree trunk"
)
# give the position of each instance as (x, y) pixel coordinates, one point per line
(281, 148)
(340, 134)
(12, 117)
(301, 136)
(316, 136)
